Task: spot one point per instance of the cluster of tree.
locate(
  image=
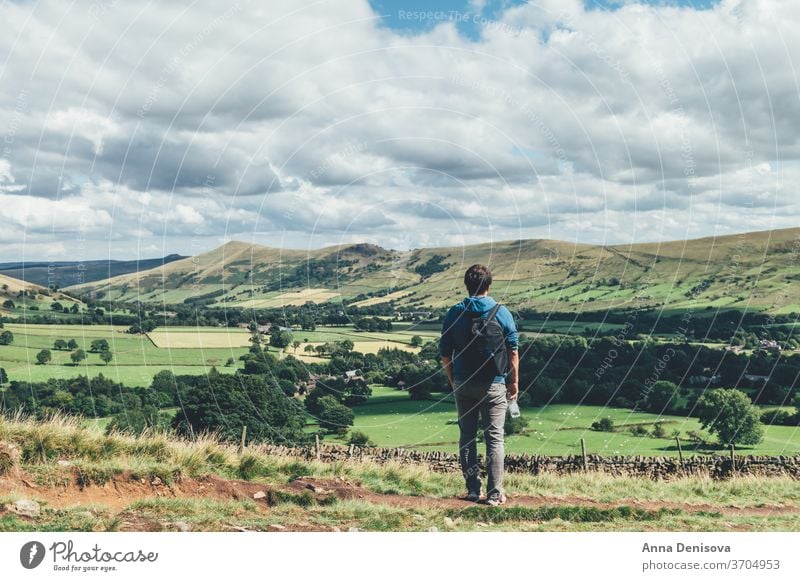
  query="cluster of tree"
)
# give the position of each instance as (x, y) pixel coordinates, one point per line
(730, 327)
(57, 307)
(96, 397)
(45, 356)
(331, 348)
(434, 264)
(224, 404)
(659, 377)
(214, 402)
(331, 401)
(65, 345)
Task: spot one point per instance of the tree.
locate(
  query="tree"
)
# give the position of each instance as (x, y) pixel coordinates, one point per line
(60, 345)
(77, 356)
(344, 347)
(72, 344)
(106, 356)
(56, 307)
(3, 376)
(240, 400)
(44, 357)
(662, 397)
(74, 309)
(730, 415)
(99, 345)
(333, 416)
(296, 344)
(9, 305)
(6, 338)
(280, 339)
(416, 341)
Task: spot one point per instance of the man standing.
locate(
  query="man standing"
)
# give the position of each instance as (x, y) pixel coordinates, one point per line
(480, 357)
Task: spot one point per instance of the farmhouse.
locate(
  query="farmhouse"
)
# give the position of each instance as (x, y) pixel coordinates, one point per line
(352, 374)
(768, 345)
(705, 379)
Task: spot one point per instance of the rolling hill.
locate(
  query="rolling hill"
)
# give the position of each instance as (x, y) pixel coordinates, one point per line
(757, 271)
(17, 293)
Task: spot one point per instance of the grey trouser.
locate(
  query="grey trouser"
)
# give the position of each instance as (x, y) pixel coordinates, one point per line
(474, 399)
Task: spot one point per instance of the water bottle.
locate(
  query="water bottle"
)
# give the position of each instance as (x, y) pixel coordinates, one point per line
(513, 408)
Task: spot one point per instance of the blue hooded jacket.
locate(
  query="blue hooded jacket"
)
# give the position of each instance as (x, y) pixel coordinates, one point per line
(456, 331)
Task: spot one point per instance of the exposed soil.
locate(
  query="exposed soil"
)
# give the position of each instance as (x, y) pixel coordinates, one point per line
(119, 493)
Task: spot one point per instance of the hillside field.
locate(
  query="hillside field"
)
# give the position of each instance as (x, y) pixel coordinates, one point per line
(751, 271)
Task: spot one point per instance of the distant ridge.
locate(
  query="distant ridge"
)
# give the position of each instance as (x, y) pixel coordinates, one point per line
(66, 273)
(756, 271)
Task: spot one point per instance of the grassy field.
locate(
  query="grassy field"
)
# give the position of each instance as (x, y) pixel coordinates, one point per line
(199, 338)
(182, 350)
(136, 358)
(390, 418)
(154, 483)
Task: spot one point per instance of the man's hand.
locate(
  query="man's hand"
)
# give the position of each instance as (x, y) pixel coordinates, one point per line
(512, 379)
(447, 364)
(512, 389)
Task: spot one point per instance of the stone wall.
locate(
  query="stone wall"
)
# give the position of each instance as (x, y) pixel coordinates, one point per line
(655, 467)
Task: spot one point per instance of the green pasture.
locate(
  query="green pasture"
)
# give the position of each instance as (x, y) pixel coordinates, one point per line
(390, 418)
(136, 358)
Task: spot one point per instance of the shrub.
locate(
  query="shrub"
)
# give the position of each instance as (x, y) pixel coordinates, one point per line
(603, 425)
(515, 425)
(360, 439)
(780, 418)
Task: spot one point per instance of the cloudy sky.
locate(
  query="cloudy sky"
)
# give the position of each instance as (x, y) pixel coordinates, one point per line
(138, 129)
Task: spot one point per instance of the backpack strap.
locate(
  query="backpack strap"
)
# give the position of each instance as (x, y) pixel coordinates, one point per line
(493, 312)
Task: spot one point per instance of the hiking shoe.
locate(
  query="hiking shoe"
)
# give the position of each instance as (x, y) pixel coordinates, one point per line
(472, 497)
(496, 500)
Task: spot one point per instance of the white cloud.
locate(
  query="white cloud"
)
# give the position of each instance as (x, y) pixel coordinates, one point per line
(194, 124)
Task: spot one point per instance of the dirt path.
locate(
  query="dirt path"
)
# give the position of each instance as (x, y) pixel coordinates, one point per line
(120, 492)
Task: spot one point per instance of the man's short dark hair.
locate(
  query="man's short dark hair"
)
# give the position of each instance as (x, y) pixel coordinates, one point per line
(477, 279)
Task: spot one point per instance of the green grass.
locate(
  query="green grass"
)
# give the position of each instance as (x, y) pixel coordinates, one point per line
(391, 419)
(136, 358)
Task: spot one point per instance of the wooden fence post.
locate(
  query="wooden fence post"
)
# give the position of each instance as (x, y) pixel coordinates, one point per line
(316, 446)
(733, 461)
(680, 452)
(583, 454)
(244, 437)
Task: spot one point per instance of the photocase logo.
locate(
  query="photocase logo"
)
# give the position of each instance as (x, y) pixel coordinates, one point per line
(31, 554)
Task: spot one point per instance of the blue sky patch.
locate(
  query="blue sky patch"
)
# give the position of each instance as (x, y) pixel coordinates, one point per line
(418, 16)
